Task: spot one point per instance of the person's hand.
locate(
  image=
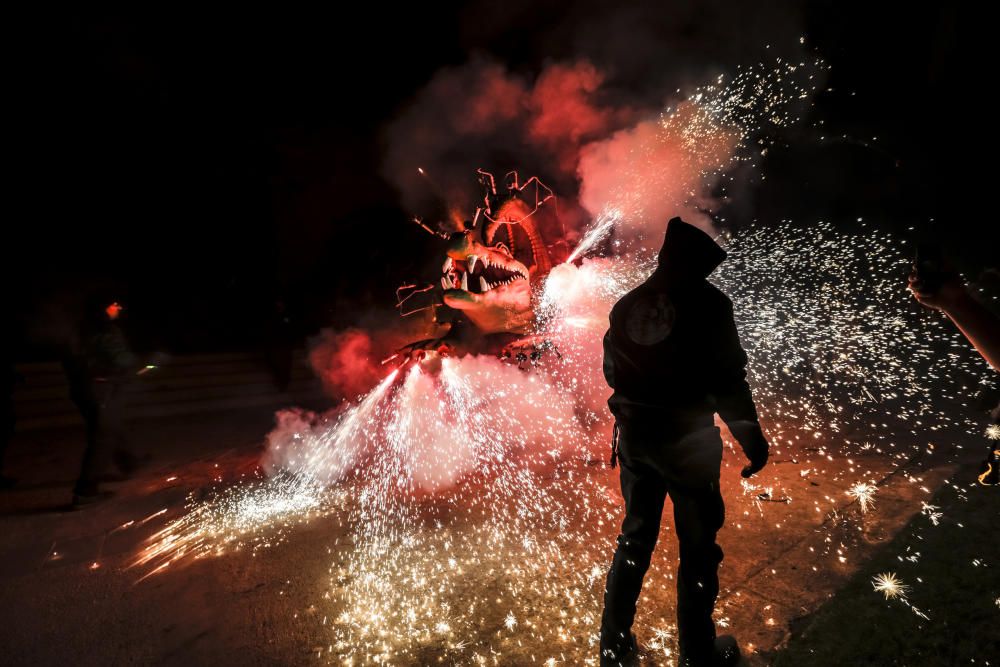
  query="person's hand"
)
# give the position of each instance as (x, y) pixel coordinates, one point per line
(758, 454)
(950, 292)
(757, 464)
(754, 445)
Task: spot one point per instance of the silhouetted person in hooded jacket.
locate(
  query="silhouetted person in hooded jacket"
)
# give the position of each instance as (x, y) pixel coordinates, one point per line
(99, 371)
(674, 359)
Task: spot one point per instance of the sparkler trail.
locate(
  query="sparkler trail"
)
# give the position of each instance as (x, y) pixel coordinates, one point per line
(599, 230)
(255, 513)
(252, 515)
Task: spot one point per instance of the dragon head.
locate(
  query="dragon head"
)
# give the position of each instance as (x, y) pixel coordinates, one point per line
(489, 268)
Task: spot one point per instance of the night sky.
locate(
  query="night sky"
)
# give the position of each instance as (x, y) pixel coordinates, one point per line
(207, 163)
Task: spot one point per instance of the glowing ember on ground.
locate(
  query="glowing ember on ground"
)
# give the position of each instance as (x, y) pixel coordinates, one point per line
(887, 584)
(864, 493)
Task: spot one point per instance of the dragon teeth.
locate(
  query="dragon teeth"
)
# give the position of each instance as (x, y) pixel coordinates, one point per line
(472, 259)
(465, 281)
(444, 283)
(448, 263)
(483, 285)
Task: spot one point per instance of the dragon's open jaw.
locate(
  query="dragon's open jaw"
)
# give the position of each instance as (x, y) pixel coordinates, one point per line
(489, 286)
(481, 274)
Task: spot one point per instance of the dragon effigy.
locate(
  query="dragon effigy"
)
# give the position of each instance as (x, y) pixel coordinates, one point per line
(492, 266)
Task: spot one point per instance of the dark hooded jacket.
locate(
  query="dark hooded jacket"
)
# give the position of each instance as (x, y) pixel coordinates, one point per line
(672, 353)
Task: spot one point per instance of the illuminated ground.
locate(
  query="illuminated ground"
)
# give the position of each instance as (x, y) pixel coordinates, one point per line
(71, 598)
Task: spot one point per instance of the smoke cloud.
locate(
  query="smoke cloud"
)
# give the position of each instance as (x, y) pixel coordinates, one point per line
(589, 122)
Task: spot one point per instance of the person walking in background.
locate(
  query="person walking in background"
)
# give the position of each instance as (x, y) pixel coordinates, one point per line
(99, 369)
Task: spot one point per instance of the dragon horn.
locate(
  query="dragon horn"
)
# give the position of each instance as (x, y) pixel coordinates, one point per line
(427, 229)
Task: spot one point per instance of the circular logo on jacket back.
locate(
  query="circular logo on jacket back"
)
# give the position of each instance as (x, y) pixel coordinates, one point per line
(650, 319)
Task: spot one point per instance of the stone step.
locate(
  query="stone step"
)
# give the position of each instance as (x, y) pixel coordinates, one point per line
(184, 384)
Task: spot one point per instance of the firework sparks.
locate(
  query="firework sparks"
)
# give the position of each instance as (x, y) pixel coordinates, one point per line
(447, 509)
(249, 514)
(464, 484)
(256, 513)
(932, 512)
(662, 640)
(599, 230)
(864, 493)
(889, 585)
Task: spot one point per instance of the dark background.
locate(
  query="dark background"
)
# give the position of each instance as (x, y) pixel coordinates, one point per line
(207, 163)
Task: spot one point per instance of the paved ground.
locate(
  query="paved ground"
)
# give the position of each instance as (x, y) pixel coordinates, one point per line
(70, 596)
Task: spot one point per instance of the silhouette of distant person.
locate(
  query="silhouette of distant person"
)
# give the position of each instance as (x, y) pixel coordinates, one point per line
(98, 370)
(674, 359)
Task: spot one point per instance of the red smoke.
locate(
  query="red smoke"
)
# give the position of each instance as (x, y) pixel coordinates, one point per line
(495, 99)
(349, 362)
(564, 111)
(482, 115)
(566, 127)
(659, 168)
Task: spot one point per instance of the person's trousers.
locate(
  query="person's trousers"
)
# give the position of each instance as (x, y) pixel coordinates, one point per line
(103, 416)
(687, 471)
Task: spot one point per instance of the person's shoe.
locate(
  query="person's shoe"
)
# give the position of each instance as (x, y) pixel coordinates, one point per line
(627, 656)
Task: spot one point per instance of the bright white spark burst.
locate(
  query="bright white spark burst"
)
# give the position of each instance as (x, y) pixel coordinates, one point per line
(889, 585)
(993, 431)
(462, 527)
(662, 640)
(865, 495)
